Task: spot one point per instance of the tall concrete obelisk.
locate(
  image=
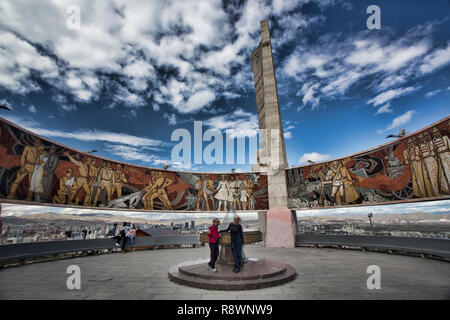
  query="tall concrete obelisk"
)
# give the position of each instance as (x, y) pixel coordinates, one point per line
(279, 224)
(272, 150)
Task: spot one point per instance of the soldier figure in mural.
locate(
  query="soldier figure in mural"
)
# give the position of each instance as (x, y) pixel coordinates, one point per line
(156, 189)
(81, 180)
(105, 181)
(412, 157)
(441, 148)
(322, 176)
(429, 165)
(120, 179)
(38, 173)
(343, 190)
(28, 160)
(67, 188)
(49, 169)
(93, 180)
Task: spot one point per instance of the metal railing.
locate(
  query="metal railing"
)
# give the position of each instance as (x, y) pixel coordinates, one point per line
(430, 246)
(21, 251)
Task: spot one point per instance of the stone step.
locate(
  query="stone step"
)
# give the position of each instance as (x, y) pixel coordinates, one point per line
(250, 271)
(222, 280)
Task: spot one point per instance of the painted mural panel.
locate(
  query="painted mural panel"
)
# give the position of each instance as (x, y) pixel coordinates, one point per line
(35, 169)
(416, 166)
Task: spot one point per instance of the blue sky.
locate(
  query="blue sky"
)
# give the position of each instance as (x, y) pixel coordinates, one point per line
(137, 70)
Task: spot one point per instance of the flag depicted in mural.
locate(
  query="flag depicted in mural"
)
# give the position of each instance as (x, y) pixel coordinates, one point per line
(35, 169)
(413, 167)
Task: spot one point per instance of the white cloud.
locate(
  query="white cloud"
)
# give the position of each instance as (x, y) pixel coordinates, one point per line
(432, 93)
(172, 119)
(68, 107)
(435, 60)
(197, 101)
(313, 156)
(5, 102)
(400, 120)
(384, 109)
(89, 135)
(32, 109)
(133, 39)
(130, 153)
(332, 65)
(236, 124)
(18, 59)
(390, 95)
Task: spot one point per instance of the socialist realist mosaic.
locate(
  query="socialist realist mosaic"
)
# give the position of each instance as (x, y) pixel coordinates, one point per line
(414, 167)
(35, 169)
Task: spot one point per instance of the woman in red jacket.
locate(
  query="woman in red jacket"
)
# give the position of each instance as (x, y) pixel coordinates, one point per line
(213, 235)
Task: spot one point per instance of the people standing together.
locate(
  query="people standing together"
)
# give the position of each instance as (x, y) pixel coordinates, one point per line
(124, 235)
(237, 241)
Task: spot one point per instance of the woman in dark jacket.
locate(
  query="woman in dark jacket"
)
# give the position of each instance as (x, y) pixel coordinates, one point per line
(237, 239)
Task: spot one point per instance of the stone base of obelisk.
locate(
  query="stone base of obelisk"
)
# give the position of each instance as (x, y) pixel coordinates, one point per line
(226, 255)
(281, 228)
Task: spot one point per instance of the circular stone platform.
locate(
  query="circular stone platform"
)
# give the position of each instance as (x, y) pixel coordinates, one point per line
(255, 274)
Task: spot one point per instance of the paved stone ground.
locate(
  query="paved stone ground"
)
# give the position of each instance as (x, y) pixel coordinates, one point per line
(322, 274)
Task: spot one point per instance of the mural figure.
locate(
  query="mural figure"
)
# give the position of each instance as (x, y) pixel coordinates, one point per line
(49, 170)
(322, 176)
(231, 186)
(119, 180)
(93, 180)
(244, 197)
(236, 201)
(157, 189)
(343, 190)
(28, 160)
(67, 188)
(413, 167)
(38, 173)
(429, 165)
(205, 190)
(222, 193)
(441, 148)
(105, 181)
(249, 184)
(412, 157)
(81, 180)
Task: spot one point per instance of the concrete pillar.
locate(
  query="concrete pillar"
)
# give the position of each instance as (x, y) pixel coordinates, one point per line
(281, 228)
(272, 149)
(262, 223)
